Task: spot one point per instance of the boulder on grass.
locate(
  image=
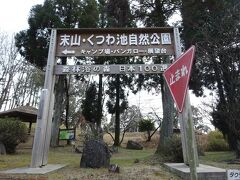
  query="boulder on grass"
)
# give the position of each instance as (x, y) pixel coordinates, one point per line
(134, 145)
(2, 149)
(114, 168)
(95, 155)
(79, 149)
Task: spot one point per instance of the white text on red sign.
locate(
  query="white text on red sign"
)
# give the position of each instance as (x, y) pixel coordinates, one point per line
(178, 74)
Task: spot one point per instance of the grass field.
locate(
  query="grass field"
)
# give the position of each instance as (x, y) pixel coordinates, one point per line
(64, 155)
(148, 166)
(220, 159)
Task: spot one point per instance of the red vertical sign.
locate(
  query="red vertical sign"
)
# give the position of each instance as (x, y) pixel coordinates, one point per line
(177, 76)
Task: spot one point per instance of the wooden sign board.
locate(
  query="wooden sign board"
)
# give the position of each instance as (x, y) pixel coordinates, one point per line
(111, 69)
(115, 42)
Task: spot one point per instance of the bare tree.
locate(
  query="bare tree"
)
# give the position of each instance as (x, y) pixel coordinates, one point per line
(20, 82)
(129, 122)
(9, 66)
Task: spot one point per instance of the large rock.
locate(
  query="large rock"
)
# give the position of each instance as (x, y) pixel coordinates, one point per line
(95, 155)
(134, 145)
(114, 168)
(2, 149)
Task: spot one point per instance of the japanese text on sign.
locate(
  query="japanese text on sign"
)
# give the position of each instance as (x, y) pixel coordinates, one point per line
(110, 69)
(233, 174)
(179, 73)
(77, 43)
(120, 39)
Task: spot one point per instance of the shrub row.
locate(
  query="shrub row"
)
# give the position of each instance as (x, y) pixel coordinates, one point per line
(215, 142)
(12, 133)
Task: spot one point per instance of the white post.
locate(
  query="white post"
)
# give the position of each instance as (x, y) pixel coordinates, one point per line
(43, 130)
(48, 133)
(186, 116)
(40, 130)
(49, 84)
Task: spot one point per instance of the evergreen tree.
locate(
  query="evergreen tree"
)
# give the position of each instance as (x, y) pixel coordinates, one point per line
(148, 126)
(90, 105)
(156, 14)
(118, 15)
(33, 42)
(213, 26)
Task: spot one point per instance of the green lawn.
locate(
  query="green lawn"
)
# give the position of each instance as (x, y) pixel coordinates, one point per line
(124, 158)
(130, 156)
(219, 159)
(65, 155)
(21, 159)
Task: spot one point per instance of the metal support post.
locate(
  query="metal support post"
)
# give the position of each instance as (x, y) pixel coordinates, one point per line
(40, 130)
(186, 116)
(45, 112)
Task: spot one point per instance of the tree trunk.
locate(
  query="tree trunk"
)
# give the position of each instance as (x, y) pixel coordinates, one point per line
(149, 136)
(117, 112)
(67, 101)
(30, 92)
(5, 92)
(168, 117)
(34, 96)
(58, 107)
(67, 104)
(99, 110)
(58, 111)
(237, 150)
(2, 149)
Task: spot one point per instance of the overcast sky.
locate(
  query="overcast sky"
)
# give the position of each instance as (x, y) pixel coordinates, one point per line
(14, 14)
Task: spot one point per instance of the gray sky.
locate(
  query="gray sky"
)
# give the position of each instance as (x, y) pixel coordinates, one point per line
(14, 14)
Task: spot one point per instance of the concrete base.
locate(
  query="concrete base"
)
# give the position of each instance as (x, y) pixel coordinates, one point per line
(204, 172)
(40, 170)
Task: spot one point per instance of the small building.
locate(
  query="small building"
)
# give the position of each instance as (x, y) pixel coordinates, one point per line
(23, 113)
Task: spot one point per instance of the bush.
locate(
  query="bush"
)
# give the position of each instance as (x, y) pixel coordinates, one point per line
(146, 125)
(173, 149)
(201, 141)
(216, 142)
(12, 133)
